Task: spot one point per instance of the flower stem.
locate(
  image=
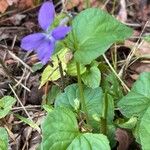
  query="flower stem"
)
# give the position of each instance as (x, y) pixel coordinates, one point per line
(61, 74)
(82, 100)
(104, 118)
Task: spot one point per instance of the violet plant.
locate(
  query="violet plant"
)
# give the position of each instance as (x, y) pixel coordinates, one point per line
(44, 43)
(83, 116)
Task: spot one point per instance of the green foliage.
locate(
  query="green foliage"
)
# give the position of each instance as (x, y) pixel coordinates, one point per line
(59, 129)
(137, 103)
(3, 139)
(71, 68)
(29, 122)
(92, 76)
(93, 101)
(37, 67)
(89, 141)
(54, 91)
(60, 132)
(138, 98)
(6, 104)
(111, 85)
(147, 38)
(52, 73)
(130, 124)
(93, 32)
(144, 130)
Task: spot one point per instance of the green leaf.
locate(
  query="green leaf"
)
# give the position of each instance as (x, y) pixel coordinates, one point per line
(3, 139)
(29, 122)
(93, 32)
(137, 103)
(110, 109)
(59, 129)
(112, 86)
(92, 77)
(68, 98)
(72, 70)
(89, 141)
(147, 38)
(37, 66)
(93, 101)
(111, 134)
(52, 73)
(54, 91)
(138, 98)
(144, 131)
(130, 124)
(6, 104)
(47, 108)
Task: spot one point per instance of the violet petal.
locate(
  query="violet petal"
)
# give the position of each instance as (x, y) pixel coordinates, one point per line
(32, 41)
(45, 50)
(60, 32)
(46, 15)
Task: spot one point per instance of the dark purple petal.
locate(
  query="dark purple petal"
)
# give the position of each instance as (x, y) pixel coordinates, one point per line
(60, 32)
(32, 41)
(45, 50)
(46, 15)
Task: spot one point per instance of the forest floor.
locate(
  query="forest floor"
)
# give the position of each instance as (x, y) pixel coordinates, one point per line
(18, 18)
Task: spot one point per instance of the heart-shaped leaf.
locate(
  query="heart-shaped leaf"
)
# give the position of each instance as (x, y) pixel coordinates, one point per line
(59, 129)
(137, 103)
(92, 77)
(93, 101)
(89, 141)
(93, 32)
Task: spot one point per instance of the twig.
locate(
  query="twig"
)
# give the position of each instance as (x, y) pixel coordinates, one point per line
(105, 4)
(17, 58)
(123, 84)
(20, 102)
(136, 46)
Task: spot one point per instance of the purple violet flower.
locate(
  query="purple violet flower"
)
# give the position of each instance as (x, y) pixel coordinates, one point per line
(44, 43)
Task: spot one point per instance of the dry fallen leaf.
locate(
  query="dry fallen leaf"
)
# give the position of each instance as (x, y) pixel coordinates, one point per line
(123, 138)
(72, 3)
(140, 67)
(22, 4)
(3, 5)
(81, 4)
(122, 15)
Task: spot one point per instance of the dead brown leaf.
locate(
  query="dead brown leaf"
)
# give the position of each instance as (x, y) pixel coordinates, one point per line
(3, 5)
(22, 4)
(123, 138)
(72, 3)
(81, 4)
(140, 67)
(144, 49)
(122, 15)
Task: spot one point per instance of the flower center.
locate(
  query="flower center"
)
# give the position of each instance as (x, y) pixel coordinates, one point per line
(49, 36)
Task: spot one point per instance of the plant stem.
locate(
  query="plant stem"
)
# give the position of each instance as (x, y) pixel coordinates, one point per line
(61, 74)
(87, 3)
(82, 100)
(104, 118)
